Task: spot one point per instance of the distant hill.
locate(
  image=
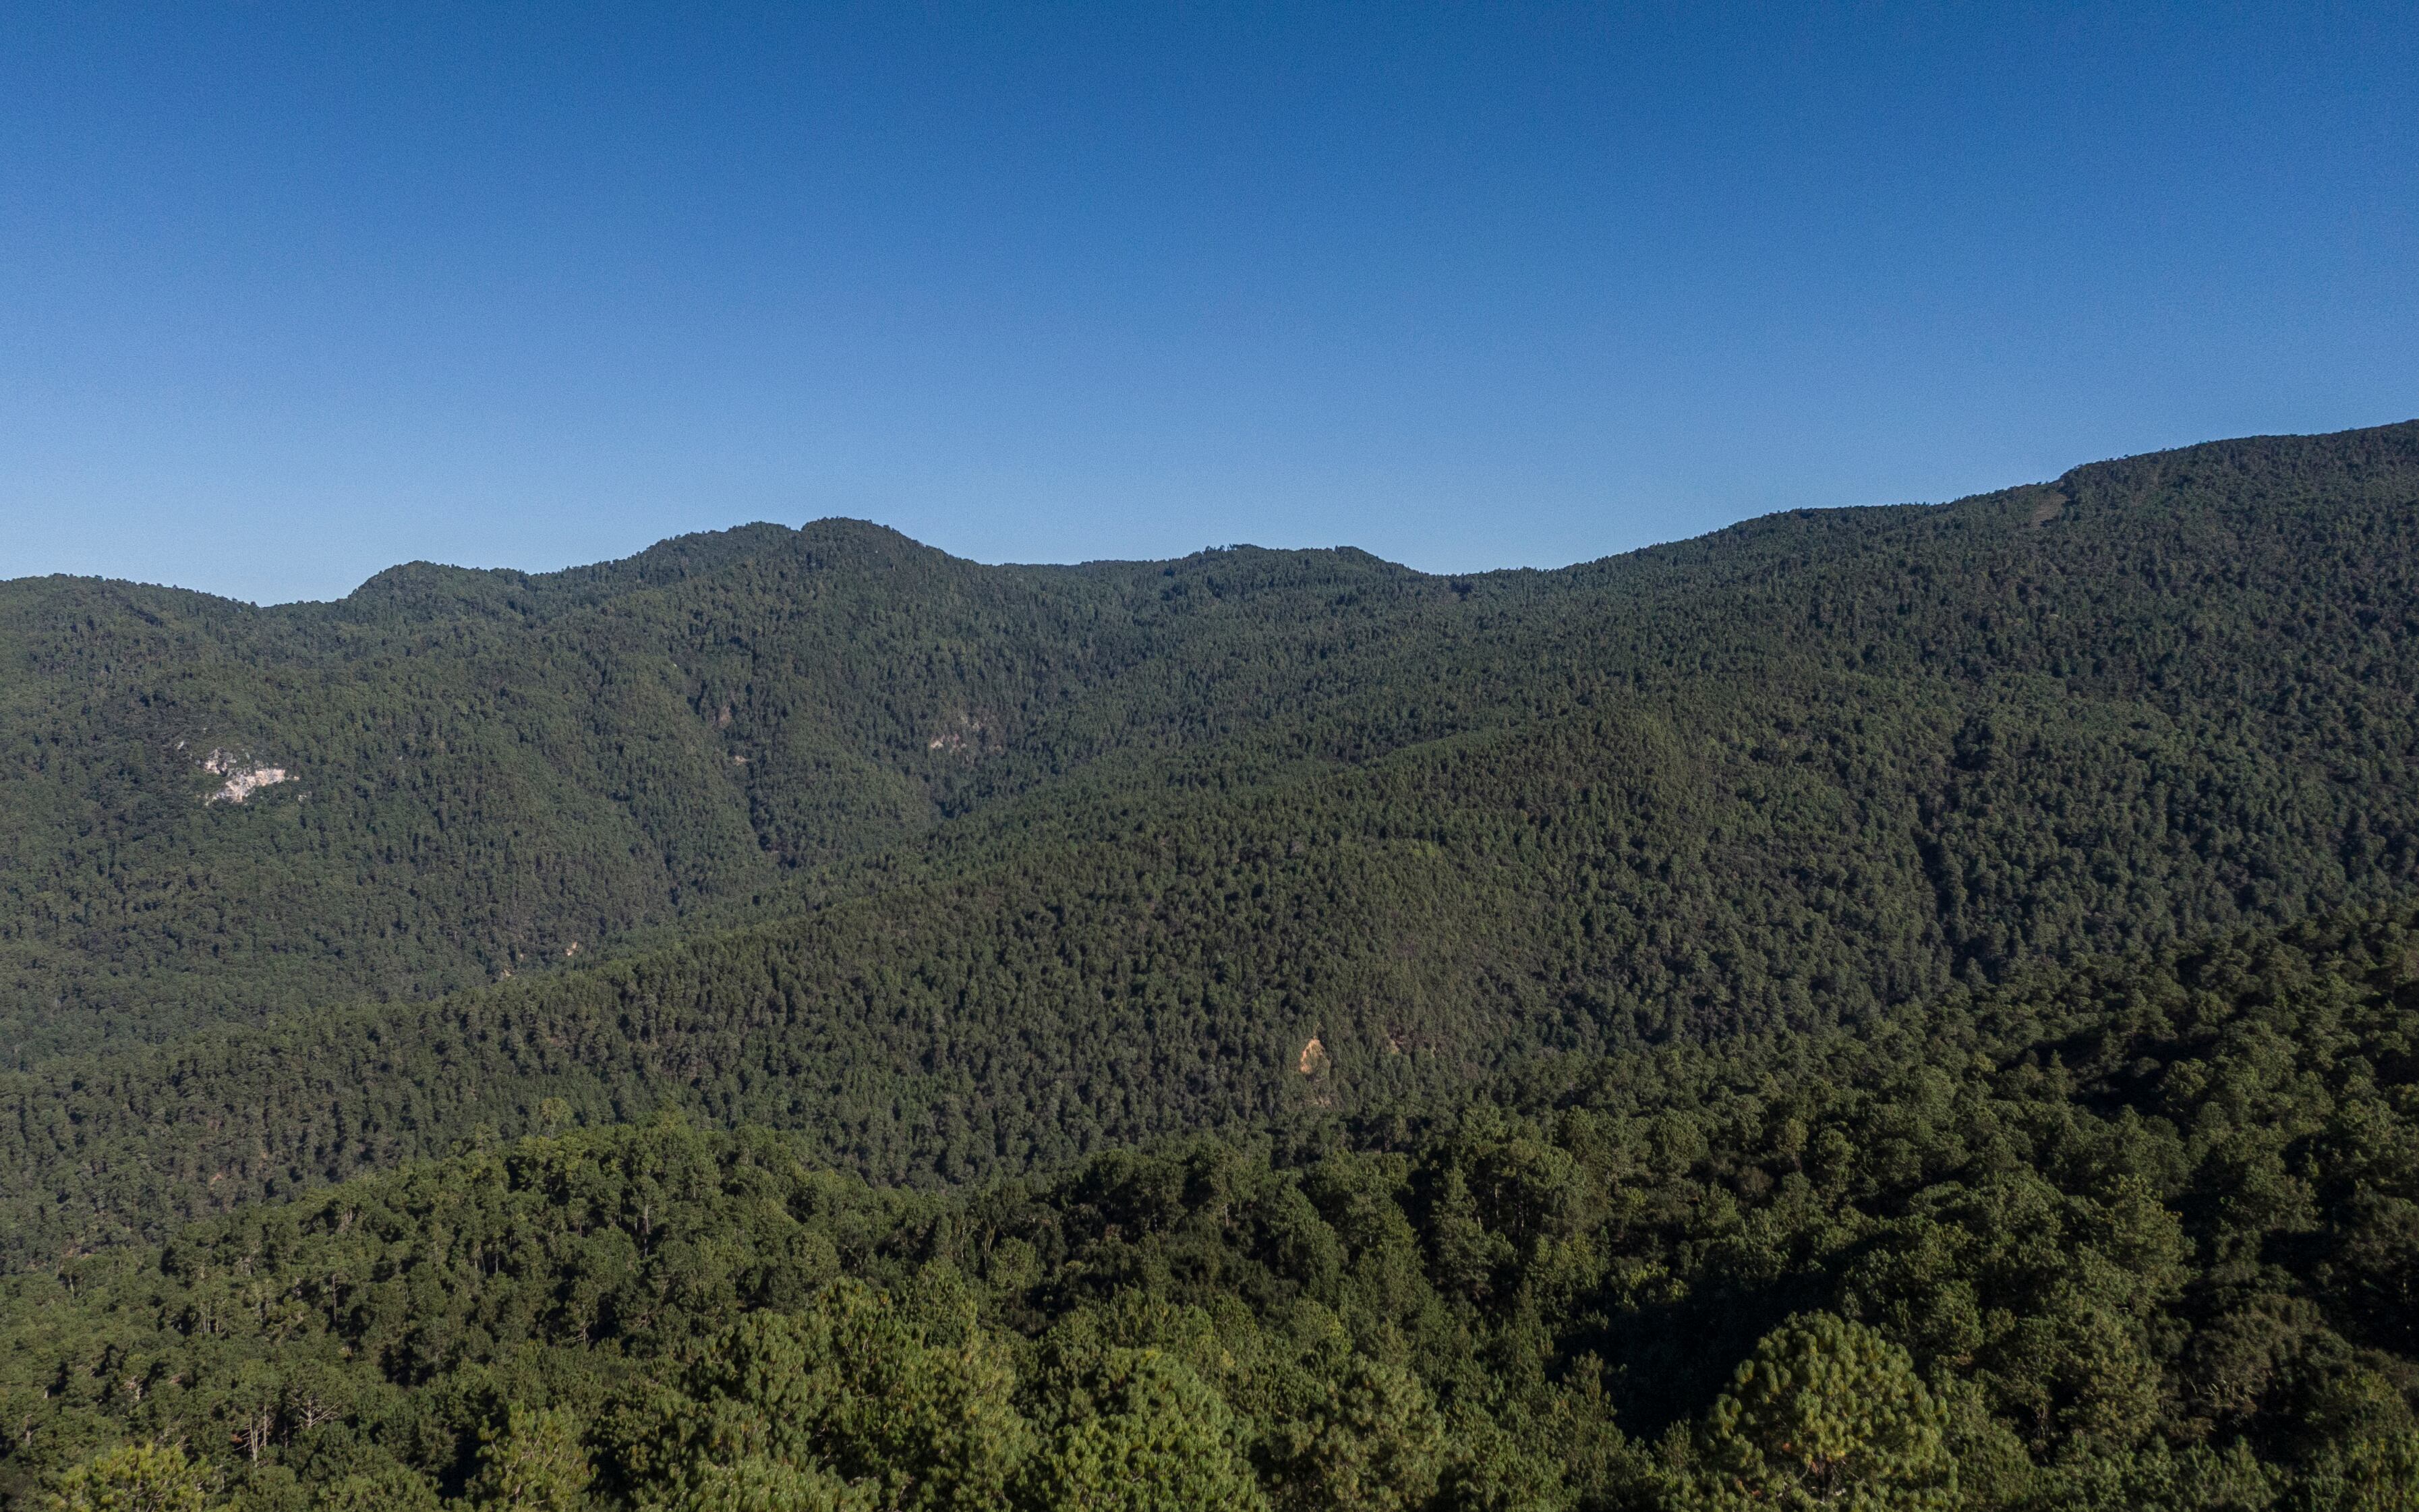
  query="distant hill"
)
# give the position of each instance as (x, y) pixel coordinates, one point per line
(958, 870)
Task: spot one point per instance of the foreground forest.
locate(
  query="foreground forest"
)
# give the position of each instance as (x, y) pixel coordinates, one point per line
(2116, 1236)
(1883, 1008)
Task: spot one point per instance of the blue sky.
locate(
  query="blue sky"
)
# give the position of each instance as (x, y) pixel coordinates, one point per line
(290, 293)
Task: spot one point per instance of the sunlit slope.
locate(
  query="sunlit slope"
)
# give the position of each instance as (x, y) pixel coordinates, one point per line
(469, 774)
(480, 771)
(2145, 1229)
(1789, 775)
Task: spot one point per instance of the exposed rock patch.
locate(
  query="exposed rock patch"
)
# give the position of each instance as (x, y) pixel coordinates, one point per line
(244, 777)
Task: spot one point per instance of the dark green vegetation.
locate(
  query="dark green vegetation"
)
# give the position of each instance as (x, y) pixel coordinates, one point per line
(2155, 697)
(1072, 857)
(1638, 1035)
(2112, 1238)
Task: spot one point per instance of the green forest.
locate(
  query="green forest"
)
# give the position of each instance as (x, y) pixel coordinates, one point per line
(1892, 1008)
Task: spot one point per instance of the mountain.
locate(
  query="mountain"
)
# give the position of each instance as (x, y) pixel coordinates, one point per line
(479, 771)
(959, 871)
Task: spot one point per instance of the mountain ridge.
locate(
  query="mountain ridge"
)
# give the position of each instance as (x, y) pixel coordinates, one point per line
(2387, 443)
(1189, 814)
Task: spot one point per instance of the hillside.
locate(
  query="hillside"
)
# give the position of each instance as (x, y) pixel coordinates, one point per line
(2136, 1235)
(481, 770)
(958, 870)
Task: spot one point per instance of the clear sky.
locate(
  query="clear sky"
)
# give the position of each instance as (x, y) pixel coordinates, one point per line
(290, 293)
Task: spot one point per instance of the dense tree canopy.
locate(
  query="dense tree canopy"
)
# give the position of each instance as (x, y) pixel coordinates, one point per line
(2156, 697)
(1882, 1008)
(1144, 831)
(2117, 1236)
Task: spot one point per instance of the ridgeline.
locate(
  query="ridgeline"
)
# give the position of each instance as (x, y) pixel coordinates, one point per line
(1365, 1038)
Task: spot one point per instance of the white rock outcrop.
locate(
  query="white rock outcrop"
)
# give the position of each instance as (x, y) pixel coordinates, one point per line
(244, 777)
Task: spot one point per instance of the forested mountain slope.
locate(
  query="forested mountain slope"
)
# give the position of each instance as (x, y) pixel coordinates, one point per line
(2130, 1236)
(480, 770)
(1072, 857)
